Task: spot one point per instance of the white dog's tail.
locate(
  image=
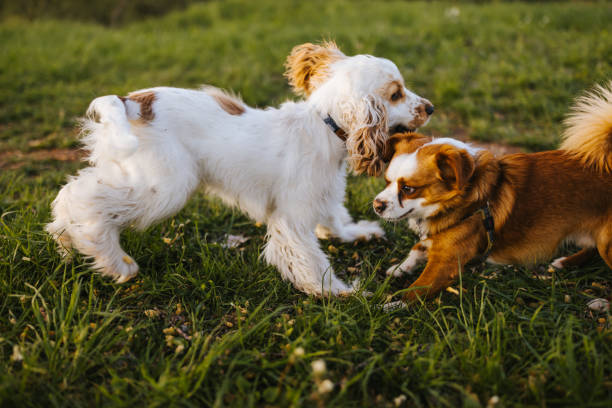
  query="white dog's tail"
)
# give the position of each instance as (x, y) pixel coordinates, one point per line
(106, 130)
(588, 135)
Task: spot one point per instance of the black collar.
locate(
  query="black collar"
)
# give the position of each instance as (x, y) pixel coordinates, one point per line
(329, 121)
(489, 225)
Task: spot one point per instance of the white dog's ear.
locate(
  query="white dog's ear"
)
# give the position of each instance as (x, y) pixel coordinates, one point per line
(368, 133)
(307, 65)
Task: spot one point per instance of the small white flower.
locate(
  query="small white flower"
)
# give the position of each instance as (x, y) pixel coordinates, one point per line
(399, 400)
(298, 352)
(318, 367)
(452, 12)
(493, 401)
(16, 356)
(325, 386)
(234, 241)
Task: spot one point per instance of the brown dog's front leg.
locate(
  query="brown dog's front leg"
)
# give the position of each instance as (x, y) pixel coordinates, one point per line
(436, 277)
(449, 252)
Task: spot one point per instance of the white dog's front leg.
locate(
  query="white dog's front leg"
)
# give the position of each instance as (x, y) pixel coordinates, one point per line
(294, 250)
(339, 224)
(416, 256)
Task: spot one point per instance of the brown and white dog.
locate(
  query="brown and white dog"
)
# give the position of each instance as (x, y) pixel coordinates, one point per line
(536, 201)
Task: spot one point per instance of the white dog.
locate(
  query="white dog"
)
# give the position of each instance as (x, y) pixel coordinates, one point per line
(284, 167)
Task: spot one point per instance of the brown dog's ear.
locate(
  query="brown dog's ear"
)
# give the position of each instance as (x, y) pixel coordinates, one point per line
(455, 166)
(307, 65)
(406, 142)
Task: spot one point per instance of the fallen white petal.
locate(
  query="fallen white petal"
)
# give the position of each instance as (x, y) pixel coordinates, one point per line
(599, 305)
(391, 306)
(234, 241)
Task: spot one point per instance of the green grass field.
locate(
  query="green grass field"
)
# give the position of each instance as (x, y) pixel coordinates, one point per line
(207, 326)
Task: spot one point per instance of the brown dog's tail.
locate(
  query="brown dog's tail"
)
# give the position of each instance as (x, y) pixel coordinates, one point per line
(588, 133)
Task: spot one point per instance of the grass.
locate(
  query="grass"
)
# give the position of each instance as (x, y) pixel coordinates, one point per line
(204, 325)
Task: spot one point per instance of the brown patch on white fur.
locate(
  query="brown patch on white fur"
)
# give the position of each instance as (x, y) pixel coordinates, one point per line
(307, 65)
(537, 201)
(394, 92)
(230, 103)
(145, 100)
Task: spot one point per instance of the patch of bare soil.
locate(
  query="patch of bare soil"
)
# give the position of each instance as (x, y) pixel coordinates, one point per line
(498, 149)
(14, 159)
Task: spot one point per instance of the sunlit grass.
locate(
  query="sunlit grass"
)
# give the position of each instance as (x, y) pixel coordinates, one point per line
(204, 325)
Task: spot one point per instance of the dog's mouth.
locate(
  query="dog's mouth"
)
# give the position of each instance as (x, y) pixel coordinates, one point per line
(401, 217)
(400, 129)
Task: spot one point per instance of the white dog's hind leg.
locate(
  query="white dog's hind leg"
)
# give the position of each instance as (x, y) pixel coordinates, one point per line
(101, 242)
(89, 215)
(96, 240)
(294, 250)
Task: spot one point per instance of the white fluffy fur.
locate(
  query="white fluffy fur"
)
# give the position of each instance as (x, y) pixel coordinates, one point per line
(283, 167)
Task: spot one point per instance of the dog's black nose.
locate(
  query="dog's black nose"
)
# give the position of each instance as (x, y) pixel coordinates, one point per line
(429, 109)
(379, 206)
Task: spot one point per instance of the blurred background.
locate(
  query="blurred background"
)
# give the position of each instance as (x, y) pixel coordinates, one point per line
(501, 72)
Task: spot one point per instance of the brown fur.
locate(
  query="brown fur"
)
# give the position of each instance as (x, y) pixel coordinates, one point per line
(232, 104)
(145, 100)
(389, 90)
(404, 142)
(307, 65)
(579, 258)
(537, 201)
(367, 143)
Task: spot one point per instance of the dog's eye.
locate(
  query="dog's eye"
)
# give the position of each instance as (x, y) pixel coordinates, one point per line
(408, 190)
(397, 95)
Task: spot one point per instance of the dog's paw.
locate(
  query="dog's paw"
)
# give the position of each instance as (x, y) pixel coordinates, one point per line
(357, 287)
(339, 288)
(322, 232)
(370, 229)
(128, 269)
(395, 271)
(123, 270)
(362, 230)
(558, 263)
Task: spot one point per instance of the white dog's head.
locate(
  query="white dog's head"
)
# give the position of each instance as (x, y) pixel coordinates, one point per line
(364, 95)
